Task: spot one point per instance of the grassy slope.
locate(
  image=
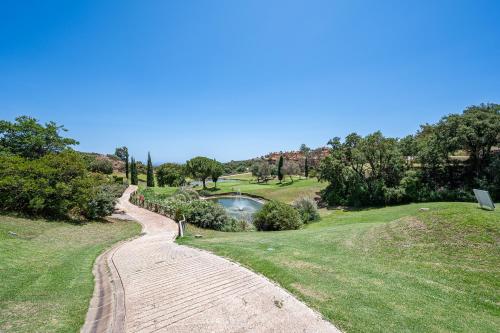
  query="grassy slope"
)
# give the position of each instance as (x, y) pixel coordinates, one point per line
(46, 279)
(286, 192)
(388, 269)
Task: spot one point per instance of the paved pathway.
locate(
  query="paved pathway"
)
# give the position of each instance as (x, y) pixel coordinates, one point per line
(160, 286)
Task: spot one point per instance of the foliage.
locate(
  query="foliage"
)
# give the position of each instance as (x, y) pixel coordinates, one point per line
(56, 185)
(360, 169)
(306, 167)
(26, 137)
(275, 215)
(216, 170)
(207, 214)
(305, 150)
(103, 200)
(187, 193)
(199, 168)
(280, 169)
(262, 171)
(233, 167)
(134, 180)
(102, 166)
(290, 168)
(52, 185)
(307, 208)
(427, 166)
(150, 180)
(170, 174)
(122, 153)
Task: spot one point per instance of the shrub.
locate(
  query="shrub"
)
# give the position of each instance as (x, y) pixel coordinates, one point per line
(102, 202)
(276, 215)
(207, 214)
(307, 208)
(204, 193)
(187, 193)
(235, 225)
(52, 185)
(101, 166)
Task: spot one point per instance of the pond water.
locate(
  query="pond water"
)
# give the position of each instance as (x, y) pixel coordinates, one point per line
(241, 208)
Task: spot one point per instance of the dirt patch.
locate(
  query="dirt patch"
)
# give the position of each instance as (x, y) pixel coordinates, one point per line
(318, 295)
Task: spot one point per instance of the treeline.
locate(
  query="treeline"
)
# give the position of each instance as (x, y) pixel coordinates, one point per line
(441, 162)
(41, 175)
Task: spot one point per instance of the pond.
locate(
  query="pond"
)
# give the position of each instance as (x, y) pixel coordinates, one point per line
(241, 208)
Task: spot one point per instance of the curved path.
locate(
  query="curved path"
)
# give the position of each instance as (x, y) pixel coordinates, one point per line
(159, 286)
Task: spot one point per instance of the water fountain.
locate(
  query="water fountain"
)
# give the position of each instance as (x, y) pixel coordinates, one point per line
(239, 206)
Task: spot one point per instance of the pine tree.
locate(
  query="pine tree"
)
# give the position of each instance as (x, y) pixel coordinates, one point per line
(280, 167)
(306, 168)
(133, 172)
(150, 180)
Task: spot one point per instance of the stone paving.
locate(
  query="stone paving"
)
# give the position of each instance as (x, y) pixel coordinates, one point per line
(172, 288)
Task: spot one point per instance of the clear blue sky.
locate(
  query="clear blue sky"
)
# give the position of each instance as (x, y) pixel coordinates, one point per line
(237, 79)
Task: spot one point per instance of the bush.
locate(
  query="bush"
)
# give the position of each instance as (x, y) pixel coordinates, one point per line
(204, 193)
(101, 166)
(102, 202)
(276, 215)
(187, 193)
(235, 225)
(307, 208)
(207, 214)
(52, 185)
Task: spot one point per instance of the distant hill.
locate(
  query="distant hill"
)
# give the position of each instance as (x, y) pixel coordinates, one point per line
(118, 165)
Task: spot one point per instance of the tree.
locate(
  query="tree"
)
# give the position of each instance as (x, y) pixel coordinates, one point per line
(361, 169)
(101, 165)
(216, 170)
(476, 131)
(199, 168)
(150, 177)
(170, 174)
(305, 150)
(290, 168)
(134, 180)
(261, 170)
(280, 167)
(26, 137)
(122, 153)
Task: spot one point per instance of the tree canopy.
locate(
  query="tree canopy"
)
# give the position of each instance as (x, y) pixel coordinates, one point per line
(28, 138)
(199, 168)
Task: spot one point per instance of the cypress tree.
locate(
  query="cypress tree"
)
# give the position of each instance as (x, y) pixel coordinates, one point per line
(306, 168)
(133, 172)
(150, 180)
(280, 167)
(126, 165)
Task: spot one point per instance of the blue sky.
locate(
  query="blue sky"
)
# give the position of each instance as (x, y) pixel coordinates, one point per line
(237, 79)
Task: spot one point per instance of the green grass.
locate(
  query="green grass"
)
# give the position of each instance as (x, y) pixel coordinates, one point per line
(167, 190)
(286, 192)
(392, 269)
(46, 279)
(241, 176)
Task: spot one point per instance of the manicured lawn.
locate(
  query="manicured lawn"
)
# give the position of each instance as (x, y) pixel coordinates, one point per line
(287, 191)
(46, 279)
(167, 190)
(241, 176)
(379, 270)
